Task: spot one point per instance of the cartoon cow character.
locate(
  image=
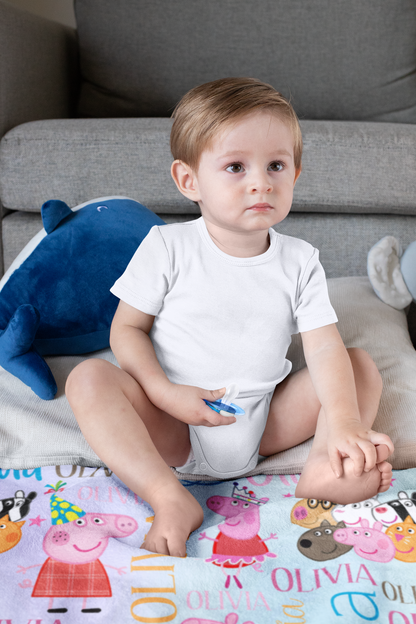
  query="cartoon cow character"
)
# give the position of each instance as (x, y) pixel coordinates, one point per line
(353, 513)
(16, 507)
(403, 535)
(319, 543)
(74, 543)
(10, 533)
(369, 543)
(238, 544)
(310, 512)
(396, 511)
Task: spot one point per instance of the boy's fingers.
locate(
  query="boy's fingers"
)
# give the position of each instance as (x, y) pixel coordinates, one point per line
(216, 394)
(358, 459)
(217, 419)
(382, 438)
(336, 463)
(370, 455)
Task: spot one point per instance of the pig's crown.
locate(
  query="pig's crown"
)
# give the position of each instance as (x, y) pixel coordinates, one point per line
(247, 495)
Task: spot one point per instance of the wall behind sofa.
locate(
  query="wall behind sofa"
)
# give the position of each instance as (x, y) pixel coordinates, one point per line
(57, 10)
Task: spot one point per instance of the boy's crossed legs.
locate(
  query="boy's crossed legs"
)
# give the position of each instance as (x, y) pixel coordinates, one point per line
(139, 442)
(295, 415)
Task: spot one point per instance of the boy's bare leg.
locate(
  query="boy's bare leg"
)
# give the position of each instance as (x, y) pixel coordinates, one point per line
(138, 442)
(296, 414)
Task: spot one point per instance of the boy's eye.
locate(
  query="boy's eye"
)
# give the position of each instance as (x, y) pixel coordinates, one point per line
(235, 168)
(276, 166)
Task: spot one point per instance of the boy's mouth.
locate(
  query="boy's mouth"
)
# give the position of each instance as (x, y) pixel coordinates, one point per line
(261, 207)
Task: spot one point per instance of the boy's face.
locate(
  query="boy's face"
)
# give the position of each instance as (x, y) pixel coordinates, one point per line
(245, 180)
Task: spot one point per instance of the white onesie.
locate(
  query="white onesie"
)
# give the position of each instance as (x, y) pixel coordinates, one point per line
(222, 319)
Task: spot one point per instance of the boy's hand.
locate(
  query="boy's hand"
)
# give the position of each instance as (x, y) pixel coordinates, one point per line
(351, 439)
(186, 403)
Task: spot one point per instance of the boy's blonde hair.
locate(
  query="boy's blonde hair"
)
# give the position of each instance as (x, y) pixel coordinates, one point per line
(208, 108)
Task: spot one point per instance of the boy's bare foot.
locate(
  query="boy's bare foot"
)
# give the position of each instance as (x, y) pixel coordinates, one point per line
(318, 480)
(177, 514)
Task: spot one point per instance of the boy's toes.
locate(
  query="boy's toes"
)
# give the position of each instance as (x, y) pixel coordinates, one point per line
(386, 475)
(383, 452)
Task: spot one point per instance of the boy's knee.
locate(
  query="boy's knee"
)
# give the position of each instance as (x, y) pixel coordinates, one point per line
(364, 365)
(86, 378)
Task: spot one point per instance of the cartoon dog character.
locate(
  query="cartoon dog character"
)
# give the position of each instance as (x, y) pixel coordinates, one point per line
(319, 543)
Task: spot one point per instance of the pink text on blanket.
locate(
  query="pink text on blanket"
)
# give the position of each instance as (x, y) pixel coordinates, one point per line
(284, 580)
(108, 494)
(219, 600)
(396, 617)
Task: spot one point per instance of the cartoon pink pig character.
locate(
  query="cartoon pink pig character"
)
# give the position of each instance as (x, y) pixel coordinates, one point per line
(238, 543)
(73, 568)
(368, 543)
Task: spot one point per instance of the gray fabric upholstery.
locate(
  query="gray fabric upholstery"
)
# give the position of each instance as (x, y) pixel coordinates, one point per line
(336, 59)
(347, 166)
(343, 240)
(38, 68)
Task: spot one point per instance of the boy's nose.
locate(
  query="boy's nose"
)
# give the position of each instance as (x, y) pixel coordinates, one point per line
(260, 186)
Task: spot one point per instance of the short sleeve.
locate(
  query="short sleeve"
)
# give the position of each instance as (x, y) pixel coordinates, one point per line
(145, 281)
(313, 307)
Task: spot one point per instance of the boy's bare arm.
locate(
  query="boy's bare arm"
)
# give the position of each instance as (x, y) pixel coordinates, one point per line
(135, 354)
(333, 379)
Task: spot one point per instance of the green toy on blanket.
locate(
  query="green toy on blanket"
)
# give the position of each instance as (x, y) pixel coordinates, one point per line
(55, 298)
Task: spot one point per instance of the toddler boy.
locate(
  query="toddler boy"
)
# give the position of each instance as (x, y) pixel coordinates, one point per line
(215, 301)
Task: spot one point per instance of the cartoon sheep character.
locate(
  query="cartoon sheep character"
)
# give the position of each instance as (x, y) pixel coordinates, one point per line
(74, 543)
(238, 544)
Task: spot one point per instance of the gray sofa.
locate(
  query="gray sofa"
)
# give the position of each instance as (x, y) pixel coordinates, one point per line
(85, 114)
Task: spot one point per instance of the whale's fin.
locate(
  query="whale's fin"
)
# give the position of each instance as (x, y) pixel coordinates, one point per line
(53, 212)
(18, 356)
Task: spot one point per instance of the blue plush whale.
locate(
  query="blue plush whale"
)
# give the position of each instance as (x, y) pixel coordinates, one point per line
(55, 298)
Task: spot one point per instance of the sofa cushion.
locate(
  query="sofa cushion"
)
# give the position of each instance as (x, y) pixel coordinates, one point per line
(39, 433)
(347, 166)
(335, 59)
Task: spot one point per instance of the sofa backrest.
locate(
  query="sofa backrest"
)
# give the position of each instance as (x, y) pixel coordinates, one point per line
(335, 59)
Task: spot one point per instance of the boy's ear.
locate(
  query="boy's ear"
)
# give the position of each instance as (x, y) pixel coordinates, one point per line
(185, 179)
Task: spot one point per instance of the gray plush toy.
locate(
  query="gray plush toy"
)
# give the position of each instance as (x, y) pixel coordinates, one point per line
(392, 273)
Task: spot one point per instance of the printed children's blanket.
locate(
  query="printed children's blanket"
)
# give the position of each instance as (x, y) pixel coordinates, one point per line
(70, 552)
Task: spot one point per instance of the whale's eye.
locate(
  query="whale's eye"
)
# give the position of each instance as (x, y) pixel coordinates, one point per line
(234, 502)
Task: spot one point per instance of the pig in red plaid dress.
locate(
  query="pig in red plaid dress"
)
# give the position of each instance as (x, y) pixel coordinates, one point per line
(68, 580)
